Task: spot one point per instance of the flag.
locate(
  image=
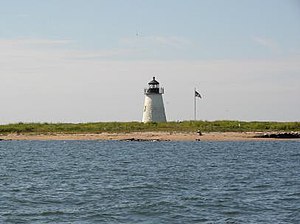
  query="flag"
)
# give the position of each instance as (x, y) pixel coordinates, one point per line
(197, 94)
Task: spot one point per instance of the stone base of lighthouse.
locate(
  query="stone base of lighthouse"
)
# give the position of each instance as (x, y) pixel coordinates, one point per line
(154, 110)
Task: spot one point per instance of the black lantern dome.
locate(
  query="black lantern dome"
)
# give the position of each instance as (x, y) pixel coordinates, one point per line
(153, 82)
(154, 87)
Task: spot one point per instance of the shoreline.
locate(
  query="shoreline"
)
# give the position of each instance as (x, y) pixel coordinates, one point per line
(147, 136)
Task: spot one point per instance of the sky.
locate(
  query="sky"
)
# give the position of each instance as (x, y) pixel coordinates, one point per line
(89, 61)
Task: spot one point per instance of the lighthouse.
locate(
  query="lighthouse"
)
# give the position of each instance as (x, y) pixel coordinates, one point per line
(154, 110)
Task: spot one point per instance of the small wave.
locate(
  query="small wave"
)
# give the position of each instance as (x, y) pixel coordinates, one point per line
(48, 213)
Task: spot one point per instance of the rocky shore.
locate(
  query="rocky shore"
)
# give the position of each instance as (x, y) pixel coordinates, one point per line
(282, 135)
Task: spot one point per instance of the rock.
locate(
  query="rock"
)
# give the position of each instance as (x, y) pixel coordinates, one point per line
(140, 140)
(285, 135)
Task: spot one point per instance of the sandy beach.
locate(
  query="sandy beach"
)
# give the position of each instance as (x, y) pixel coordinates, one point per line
(145, 136)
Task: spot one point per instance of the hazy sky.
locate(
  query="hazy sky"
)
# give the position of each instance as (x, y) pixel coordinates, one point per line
(89, 60)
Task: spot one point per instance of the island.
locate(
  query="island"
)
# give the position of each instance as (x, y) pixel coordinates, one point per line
(161, 131)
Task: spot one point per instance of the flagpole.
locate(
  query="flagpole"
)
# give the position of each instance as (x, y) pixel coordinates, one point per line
(195, 106)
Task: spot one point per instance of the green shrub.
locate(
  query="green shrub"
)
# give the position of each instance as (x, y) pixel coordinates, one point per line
(184, 126)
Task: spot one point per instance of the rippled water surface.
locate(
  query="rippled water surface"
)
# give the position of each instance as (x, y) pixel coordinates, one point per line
(149, 182)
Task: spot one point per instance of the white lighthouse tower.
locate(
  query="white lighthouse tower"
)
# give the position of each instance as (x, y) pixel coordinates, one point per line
(154, 110)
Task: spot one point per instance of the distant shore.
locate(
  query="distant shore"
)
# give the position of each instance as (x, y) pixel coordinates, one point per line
(146, 136)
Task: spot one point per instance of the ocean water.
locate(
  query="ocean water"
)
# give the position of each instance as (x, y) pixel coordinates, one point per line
(149, 182)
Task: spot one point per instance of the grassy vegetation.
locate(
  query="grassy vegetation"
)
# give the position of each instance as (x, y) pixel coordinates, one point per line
(185, 126)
